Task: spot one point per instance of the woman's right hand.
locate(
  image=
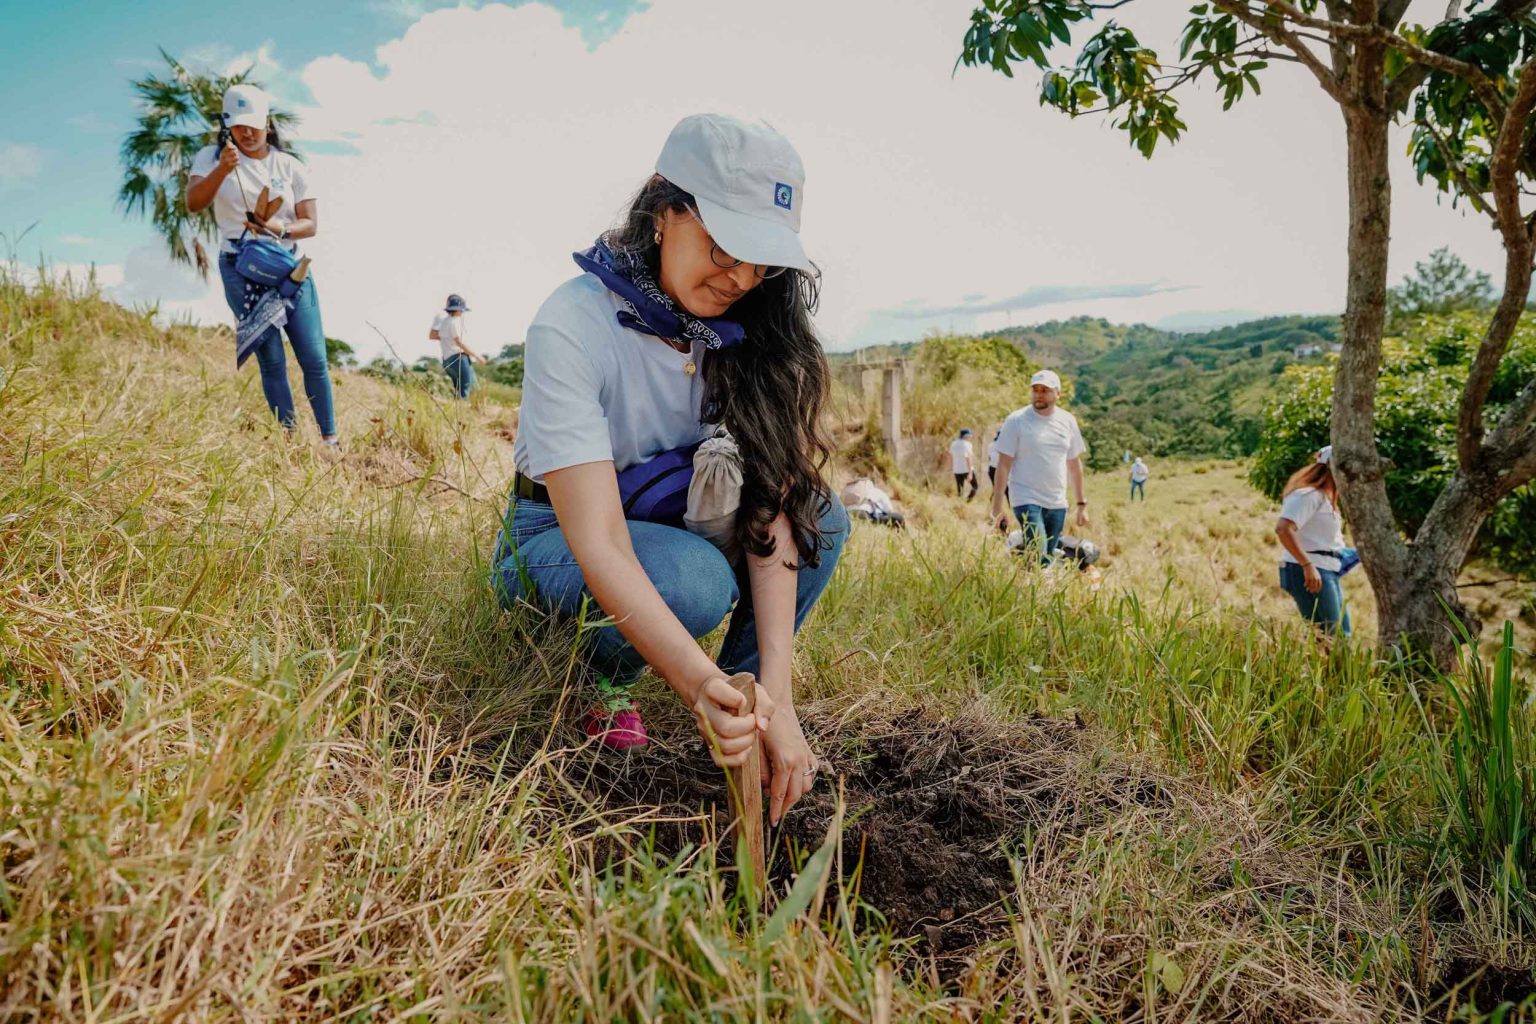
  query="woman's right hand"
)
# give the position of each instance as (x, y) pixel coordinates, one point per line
(229, 158)
(1311, 578)
(729, 733)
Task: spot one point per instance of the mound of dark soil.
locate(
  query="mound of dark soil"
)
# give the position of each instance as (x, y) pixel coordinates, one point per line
(932, 807)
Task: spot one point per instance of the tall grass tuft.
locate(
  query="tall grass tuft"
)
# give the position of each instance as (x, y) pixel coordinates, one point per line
(1489, 785)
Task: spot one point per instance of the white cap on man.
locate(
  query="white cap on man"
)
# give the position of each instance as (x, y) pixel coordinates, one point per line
(1046, 377)
(748, 182)
(1325, 454)
(245, 105)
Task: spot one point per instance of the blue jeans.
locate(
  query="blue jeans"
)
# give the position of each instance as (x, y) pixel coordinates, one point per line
(1326, 608)
(1139, 487)
(308, 340)
(1042, 527)
(692, 576)
(462, 372)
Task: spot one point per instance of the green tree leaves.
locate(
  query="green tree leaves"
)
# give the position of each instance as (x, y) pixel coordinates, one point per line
(1417, 401)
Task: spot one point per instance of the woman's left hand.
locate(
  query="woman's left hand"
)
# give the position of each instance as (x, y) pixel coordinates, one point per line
(789, 764)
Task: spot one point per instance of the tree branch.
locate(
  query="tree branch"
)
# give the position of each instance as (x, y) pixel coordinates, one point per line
(1515, 436)
(1330, 82)
(1517, 466)
(1411, 78)
(1504, 174)
(1458, 169)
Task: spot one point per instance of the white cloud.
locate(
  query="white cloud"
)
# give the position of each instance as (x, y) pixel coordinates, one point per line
(20, 162)
(104, 276)
(78, 240)
(148, 278)
(491, 142)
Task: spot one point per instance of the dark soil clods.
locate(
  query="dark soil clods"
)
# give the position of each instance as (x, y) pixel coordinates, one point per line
(932, 808)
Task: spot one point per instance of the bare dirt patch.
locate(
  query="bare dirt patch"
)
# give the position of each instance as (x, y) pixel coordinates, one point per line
(932, 808)
(960, 830)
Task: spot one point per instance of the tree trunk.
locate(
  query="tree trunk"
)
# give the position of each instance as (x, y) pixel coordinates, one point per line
(1413, 584)
(1424, 610)
(1356, 464)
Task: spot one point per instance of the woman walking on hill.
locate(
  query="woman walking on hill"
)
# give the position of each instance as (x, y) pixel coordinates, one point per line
(694, 311)
(232, 179)
(1312, 536)
(458, 358)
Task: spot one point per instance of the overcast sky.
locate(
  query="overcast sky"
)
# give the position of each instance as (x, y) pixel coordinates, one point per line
(472, 148)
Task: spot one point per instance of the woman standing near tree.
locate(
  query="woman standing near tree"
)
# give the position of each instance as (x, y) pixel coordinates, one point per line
(231, 180)
(1312, 535)
(694, 311)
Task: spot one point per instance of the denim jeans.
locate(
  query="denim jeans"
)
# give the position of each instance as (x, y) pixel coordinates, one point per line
(308, 340)
(1139, 487)
(1042, 527)
(462, 372)
(1326, 607)
(692, 576)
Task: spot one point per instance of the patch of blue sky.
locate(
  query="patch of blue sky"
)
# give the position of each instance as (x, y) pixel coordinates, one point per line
(66, 68)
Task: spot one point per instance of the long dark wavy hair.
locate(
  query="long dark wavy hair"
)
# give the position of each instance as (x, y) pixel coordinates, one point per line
(769, 391)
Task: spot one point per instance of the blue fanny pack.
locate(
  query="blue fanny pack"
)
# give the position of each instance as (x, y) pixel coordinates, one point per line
(656, 491)
(264, 262)
(1348, 558)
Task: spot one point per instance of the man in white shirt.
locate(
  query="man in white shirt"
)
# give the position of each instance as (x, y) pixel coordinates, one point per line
(962, 460)
(1139, 474)
(448, 330)
(1039, 448)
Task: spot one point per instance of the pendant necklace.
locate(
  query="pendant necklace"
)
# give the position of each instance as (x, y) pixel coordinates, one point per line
(689, 367)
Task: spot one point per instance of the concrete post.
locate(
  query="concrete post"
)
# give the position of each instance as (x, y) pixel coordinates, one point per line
(890, 411)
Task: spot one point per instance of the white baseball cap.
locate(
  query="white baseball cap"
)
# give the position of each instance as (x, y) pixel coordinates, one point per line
(1325, 454)
(748, 182)
(245, 105)
(1046, 377)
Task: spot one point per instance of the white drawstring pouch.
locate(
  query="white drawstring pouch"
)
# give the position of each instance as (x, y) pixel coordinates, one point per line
(714, 496)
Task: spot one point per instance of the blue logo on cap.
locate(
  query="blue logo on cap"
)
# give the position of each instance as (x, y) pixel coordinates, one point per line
(783, 195)
(240, 102)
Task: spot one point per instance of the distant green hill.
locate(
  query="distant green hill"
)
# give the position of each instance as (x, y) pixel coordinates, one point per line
(1192, 394)
(1160, 392)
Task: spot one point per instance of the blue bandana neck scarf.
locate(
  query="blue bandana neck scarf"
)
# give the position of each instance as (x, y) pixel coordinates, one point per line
(264, 309)
(647, 308)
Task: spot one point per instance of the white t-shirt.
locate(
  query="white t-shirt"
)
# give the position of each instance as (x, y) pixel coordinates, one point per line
(280, 173)
(1139, 471)
(1040, 446)
(594, 391)
(992, 453)
(449, 327)
(960, 454)
(1318, 526)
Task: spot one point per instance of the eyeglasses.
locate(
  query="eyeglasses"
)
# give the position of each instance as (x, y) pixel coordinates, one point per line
(725, 261)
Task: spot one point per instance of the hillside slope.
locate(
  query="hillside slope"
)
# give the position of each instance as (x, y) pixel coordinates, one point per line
(273, 751)
(1163, 393)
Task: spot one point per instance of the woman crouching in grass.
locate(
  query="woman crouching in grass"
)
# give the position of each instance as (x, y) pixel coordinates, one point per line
(693, 312)
(1311, 533)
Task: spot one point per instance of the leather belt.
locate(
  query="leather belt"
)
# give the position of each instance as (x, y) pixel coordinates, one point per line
(527, 490)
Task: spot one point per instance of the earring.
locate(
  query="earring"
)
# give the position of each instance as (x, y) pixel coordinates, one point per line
(657, 236)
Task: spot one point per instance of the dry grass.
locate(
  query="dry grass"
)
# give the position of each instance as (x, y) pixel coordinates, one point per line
(272, 752)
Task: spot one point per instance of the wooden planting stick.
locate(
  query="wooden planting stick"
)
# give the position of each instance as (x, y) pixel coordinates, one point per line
(746, 792)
